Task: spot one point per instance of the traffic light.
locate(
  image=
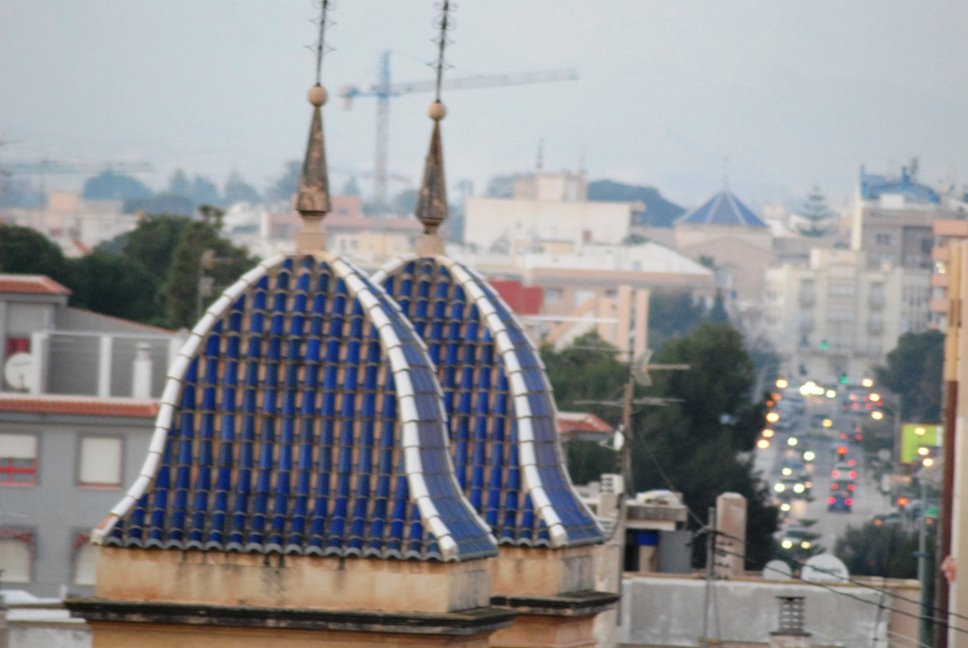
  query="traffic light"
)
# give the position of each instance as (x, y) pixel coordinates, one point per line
(823, 345)
(902, 502)
(843, 379)
(841, 452)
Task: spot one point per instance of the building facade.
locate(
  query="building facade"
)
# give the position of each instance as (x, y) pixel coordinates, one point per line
(77, 396)
(838, 316)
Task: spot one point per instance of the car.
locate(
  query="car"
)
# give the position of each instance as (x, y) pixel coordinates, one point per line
(788, 488)
(843, 471)
(796, 539)
(840, 502)
(843, 485)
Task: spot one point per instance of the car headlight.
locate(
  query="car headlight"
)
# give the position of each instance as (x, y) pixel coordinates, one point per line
(787, 544)
(779, 488)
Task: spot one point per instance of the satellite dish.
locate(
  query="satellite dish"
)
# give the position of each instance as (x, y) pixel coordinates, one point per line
(777, 570)
(825, 568)
(18, 369)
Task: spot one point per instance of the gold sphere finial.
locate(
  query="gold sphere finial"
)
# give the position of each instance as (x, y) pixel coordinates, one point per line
(318, 95)
(437, 111)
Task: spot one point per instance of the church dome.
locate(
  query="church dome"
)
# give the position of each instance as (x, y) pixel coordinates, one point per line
(302, 416)
(500, 407)
(722, 209)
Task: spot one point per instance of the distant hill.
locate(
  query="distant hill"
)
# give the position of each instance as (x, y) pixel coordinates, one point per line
(659, 212)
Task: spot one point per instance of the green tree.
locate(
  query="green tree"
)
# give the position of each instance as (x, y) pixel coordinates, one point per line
(816, 214)
(180, 290)
(717, 314)
(701, 444)
(114, 285)
(672, 314)
(405, 202)
(697, 445)
(587, 375)
(913, 372)
(284, 188)
(238, 190)
(115, 186)
(180, 185)
(27, 251)
(879, 550)
(204, 191)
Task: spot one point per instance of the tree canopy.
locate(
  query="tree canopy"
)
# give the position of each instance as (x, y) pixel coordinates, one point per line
(913, 372)
(816, 214)
(115, 186)
(697, 444)
(879, 550)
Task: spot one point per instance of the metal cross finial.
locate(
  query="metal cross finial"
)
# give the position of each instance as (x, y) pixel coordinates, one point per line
(443, 24)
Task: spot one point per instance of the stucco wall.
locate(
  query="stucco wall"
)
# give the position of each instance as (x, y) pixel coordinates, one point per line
(660, 611)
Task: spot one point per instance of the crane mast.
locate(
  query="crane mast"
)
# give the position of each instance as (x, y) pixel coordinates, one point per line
(384, 90)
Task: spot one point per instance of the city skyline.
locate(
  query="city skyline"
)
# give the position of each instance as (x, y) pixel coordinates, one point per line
(793, 95)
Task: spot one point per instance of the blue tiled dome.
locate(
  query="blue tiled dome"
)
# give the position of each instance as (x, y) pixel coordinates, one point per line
(722, 209)
(302, 416)
(501, 411)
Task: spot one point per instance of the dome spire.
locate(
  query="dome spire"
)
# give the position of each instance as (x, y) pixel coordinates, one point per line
(432, 201)
(312, 198)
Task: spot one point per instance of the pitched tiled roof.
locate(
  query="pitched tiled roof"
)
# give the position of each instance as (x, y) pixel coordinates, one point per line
(722, 209)
(577, 422)
(30, 285)
(501, 412)
(302, 416)
(78, 405)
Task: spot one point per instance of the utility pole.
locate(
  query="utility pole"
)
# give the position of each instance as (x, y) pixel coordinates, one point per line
(710, 566)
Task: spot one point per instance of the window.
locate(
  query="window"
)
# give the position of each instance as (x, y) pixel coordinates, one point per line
(100, 462)
(17, 548)
(18, 459)
(85, 557)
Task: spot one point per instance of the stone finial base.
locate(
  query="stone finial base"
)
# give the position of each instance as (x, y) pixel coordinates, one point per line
(308, 241)
(429, 245)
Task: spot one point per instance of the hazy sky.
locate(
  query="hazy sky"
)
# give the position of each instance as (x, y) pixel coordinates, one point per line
(793, 92)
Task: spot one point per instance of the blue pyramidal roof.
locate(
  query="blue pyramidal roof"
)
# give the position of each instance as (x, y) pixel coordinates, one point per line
(500, 408)
(302, 417)
(722, 209)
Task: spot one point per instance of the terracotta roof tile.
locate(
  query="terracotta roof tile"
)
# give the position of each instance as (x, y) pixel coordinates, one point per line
(31, 285)
(78, 405)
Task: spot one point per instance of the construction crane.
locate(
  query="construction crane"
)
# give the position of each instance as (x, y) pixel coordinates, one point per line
(383, 90)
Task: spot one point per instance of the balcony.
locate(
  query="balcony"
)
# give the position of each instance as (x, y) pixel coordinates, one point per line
(875, 326)
(875, 301)
(807, 298)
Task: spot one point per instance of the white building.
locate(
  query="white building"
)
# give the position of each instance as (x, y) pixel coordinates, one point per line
(837, 315)
(503, 225)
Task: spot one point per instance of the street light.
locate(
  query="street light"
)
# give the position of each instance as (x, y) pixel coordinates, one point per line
(877, 415)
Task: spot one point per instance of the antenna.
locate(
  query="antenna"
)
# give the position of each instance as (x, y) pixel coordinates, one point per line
(444, 24)
(321, 40)
(432, 199)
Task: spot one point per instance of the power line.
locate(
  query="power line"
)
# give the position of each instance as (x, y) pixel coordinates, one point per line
(798, 563)
(933, 620)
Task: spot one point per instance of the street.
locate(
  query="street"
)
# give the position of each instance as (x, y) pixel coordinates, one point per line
(867, 500)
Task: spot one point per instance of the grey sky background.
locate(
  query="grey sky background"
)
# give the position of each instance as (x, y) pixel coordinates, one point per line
(794, 92)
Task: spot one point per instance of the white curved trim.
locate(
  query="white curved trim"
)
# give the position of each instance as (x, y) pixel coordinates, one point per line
(407, 415)
(468, 277)
(172, 393)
